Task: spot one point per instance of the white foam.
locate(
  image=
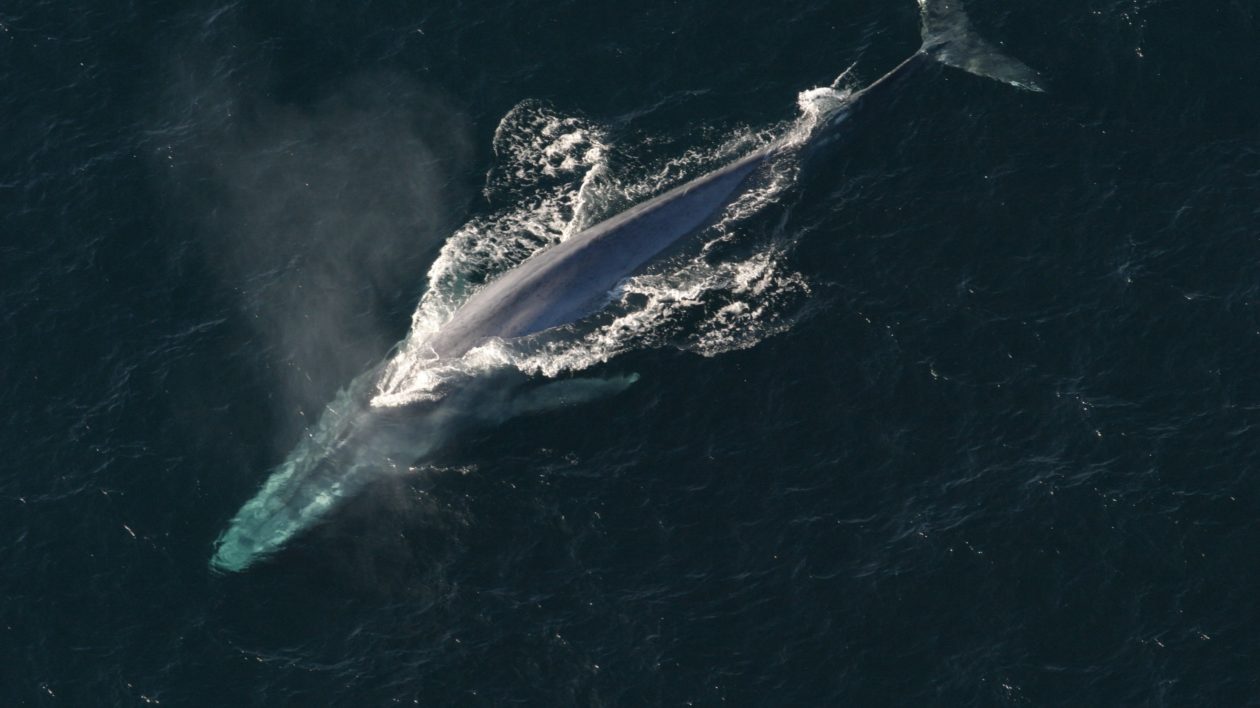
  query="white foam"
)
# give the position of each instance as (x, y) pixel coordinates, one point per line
(553, 170)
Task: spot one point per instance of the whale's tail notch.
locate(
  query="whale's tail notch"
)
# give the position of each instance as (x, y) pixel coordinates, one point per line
(949, 38)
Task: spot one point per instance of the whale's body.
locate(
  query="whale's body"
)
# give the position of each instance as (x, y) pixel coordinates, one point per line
(355, 441)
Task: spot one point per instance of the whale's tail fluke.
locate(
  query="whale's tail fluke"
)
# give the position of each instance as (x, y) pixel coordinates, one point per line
(949, 38)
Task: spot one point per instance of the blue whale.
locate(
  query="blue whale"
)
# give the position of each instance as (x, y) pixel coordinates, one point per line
(355, 442)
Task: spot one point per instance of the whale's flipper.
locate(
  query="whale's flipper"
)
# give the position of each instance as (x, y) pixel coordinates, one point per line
(558, 394)
(949, 38)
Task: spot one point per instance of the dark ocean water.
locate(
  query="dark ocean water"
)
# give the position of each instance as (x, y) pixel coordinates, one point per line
(1005, 449)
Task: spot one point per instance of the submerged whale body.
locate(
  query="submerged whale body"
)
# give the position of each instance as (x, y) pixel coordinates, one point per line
(355, 442)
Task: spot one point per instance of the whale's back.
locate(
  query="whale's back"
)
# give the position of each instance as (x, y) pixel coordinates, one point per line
(571, 279)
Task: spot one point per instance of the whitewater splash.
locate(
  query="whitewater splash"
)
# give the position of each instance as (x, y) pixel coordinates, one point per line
(555, 173)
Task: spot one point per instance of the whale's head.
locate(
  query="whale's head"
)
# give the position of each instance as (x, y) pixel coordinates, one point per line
(333, 461)
(298, 494)
(352, 445)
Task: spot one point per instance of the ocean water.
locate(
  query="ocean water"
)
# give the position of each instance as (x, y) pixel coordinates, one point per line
(965, 411)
